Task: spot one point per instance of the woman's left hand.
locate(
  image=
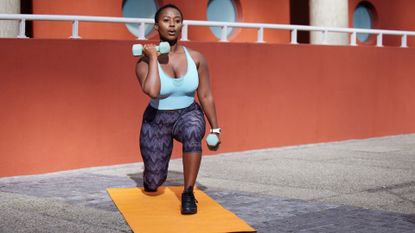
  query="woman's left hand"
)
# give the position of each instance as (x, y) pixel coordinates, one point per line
(216, 147)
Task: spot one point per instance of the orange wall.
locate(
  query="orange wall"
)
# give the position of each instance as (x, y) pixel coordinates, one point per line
(76, 103)
(394, 15)
(276, 11)
(56, 29)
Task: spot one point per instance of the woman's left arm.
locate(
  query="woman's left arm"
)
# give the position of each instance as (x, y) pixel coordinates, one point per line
(204, 92)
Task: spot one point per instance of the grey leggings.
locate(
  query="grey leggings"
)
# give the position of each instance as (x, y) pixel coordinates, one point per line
(159, 128)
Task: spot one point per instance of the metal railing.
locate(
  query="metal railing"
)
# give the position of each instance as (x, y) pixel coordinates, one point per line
(225, 26)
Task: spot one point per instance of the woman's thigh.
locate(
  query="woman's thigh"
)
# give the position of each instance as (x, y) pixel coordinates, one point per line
(190, 129)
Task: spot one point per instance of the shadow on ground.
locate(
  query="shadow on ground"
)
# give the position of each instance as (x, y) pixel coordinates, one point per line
(173, 179)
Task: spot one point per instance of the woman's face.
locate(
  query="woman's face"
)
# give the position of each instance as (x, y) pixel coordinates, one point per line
(169, 24)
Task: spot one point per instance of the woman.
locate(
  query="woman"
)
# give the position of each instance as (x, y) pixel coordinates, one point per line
(171, 81)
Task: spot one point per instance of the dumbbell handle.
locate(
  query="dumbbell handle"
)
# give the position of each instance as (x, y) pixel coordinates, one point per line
(163, 48)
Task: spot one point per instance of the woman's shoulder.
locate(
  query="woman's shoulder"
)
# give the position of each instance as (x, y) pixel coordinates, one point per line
(196, 56)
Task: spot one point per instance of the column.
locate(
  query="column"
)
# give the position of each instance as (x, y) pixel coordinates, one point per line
(329, 13)
(9, 28)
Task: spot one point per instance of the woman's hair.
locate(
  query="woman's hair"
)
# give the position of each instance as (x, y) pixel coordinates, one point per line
(156, 16)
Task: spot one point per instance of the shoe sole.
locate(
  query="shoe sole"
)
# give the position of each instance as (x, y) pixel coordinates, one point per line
(189, 212)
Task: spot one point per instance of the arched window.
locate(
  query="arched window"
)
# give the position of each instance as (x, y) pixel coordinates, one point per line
(363, 17)
(139, 9)
(221, 10)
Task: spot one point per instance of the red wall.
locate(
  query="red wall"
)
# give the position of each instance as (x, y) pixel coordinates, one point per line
(276, 11)
(76, 103)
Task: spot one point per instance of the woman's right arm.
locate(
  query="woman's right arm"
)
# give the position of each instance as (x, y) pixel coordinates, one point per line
(147, 72)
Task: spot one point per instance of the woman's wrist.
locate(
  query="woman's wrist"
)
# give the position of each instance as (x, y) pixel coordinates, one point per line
(216, 130)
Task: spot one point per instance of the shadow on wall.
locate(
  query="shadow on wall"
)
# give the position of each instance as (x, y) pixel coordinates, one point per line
(26, 7)
(300, 15)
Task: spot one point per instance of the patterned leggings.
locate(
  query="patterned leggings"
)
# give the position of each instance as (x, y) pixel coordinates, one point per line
(159, 128)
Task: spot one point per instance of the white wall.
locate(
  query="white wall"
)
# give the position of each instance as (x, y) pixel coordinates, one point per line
(9, 28)
(330, 13)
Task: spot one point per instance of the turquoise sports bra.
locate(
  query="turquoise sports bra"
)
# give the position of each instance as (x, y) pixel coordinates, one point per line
(177, 93)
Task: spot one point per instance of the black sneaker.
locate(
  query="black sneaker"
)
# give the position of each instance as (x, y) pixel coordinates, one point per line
(189, 202)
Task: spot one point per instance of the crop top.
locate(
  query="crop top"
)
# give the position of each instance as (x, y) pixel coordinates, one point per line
(177, 93)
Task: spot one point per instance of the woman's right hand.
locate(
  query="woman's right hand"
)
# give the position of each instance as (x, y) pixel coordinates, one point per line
(150, 51)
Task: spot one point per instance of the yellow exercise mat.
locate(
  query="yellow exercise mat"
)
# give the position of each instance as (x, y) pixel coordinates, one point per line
(160, 212)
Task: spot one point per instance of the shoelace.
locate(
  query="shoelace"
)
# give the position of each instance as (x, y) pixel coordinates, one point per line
(191, 194)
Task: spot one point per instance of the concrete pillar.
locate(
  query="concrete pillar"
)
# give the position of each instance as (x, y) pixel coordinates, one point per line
(329, 13)
(9, 28)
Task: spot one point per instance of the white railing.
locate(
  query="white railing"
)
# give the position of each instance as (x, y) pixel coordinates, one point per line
(141, 22)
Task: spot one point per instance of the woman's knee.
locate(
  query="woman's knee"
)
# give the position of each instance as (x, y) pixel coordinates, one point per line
(192, 146)
(154, 179)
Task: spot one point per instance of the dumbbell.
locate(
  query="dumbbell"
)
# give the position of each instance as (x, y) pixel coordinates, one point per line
(212, 140)
(163, 48)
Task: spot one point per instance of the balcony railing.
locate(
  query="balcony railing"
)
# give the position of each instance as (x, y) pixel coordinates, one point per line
(141, 22)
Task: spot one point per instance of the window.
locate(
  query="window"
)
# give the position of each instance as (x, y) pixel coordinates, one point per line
(363, 18)
(221, 10)
(139, 9)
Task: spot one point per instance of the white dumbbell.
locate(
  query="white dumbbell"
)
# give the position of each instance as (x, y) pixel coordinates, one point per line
(212, 140)
(163, 47)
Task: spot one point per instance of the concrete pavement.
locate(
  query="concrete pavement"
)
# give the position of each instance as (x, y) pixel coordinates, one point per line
(349, 186)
